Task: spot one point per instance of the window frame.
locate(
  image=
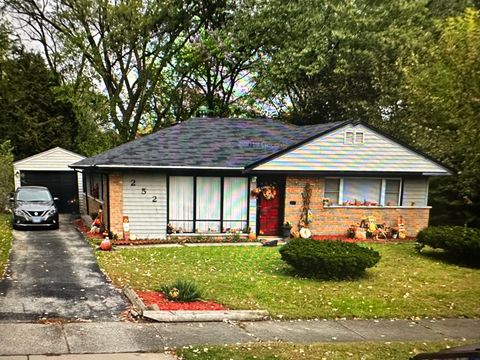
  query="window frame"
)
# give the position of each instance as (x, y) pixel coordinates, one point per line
(90, 186)
(382, 190)
(354, 137)
(222, 203)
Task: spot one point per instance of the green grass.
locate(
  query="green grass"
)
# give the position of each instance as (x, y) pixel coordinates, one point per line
(404, 284)
(282, 351)
(5, 240)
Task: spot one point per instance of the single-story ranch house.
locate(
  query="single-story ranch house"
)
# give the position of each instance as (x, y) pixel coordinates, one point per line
(217, 175)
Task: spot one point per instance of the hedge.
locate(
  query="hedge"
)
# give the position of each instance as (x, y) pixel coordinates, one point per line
(457, 240)
(328, 259)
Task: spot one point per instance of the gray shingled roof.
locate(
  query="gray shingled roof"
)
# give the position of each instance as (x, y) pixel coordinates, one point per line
(207, 142)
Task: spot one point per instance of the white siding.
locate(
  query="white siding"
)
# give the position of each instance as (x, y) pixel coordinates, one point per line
(415, 190)
(148, 219)
(81, 197)
(56, 159)
(330, 153)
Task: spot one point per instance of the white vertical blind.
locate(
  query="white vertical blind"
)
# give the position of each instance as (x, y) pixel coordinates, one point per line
(208, 204)
(180, 207)
(362, 190)
(235, 203)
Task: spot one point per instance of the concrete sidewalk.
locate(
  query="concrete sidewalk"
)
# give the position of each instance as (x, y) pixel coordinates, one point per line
(124, 337)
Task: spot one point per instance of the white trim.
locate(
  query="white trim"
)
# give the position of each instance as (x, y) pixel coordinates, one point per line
(163, 167)
(95, 199)
(435, 173)
(426, 192)
(80, 157)
(382, 189)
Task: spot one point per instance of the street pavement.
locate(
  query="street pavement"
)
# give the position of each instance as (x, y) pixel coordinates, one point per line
(129, 337)
(54, 274)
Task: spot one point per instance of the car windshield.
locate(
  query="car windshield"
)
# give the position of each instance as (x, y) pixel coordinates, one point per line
(35, 195)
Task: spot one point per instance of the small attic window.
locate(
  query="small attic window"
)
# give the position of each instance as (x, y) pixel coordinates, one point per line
(349, 137)
(354, 137)
(359, 137)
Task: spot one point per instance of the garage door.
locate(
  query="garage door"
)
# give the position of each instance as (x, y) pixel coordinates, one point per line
(62, 184)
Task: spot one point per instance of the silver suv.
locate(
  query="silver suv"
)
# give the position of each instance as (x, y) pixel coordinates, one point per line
(34, 206)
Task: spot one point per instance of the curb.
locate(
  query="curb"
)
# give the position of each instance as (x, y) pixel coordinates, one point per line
(140, 309)
(138, 305)
(206, 316)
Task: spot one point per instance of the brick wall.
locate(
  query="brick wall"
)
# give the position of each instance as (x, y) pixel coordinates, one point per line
(293, 199)
(336, 220)
(116, 203)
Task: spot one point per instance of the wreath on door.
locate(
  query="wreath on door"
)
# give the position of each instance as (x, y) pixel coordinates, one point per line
(268, 192)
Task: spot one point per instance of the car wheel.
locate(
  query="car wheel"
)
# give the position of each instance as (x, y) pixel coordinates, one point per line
(15, 227)
(56, 226)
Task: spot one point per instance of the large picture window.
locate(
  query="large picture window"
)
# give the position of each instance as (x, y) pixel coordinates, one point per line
(180, 206)
(205, 204)
(363, 191)
(208, 203)
(235, 204)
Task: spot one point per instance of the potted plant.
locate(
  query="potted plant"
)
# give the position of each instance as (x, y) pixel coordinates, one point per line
(286, 228)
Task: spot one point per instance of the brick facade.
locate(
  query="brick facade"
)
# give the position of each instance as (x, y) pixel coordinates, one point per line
(335, 220)
(115, 187)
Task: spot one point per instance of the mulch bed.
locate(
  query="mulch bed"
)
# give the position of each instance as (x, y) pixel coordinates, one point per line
(80, 226)
(153, 297)
(347, 239)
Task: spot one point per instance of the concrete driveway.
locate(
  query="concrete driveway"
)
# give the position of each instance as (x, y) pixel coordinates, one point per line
(53, 274)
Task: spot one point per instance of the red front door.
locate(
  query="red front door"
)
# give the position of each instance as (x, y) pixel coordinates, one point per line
(269, 215)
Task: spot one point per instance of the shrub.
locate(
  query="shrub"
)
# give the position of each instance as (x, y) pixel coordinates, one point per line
(328, 259)
(456, 240)
(6, 174)
(181, 290)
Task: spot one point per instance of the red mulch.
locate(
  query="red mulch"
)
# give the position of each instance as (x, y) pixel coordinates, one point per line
(80, 226)
(347, 239)
(139, 242)
(152, 297)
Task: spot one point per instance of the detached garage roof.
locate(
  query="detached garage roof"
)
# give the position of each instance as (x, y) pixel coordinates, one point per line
(267, 145)
(56, 159)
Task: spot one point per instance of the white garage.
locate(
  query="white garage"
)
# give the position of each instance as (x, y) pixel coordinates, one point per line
(50, 169)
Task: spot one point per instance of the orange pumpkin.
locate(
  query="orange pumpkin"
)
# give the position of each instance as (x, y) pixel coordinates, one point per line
(106, 245)
(252, 236)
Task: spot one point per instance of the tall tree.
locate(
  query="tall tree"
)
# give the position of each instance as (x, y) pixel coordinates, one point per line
(32, 115)
(441, 112)
(126, 44)
(219, 60)
(335, 60)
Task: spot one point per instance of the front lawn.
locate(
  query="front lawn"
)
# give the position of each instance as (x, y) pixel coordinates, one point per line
(282, 351)
(5, 240)
(404, 284)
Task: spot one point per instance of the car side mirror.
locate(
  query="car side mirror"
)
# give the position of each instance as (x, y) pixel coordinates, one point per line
(56, 199)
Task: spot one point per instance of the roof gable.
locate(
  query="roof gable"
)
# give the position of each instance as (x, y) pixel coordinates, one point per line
(331, 152)
(54, 159)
